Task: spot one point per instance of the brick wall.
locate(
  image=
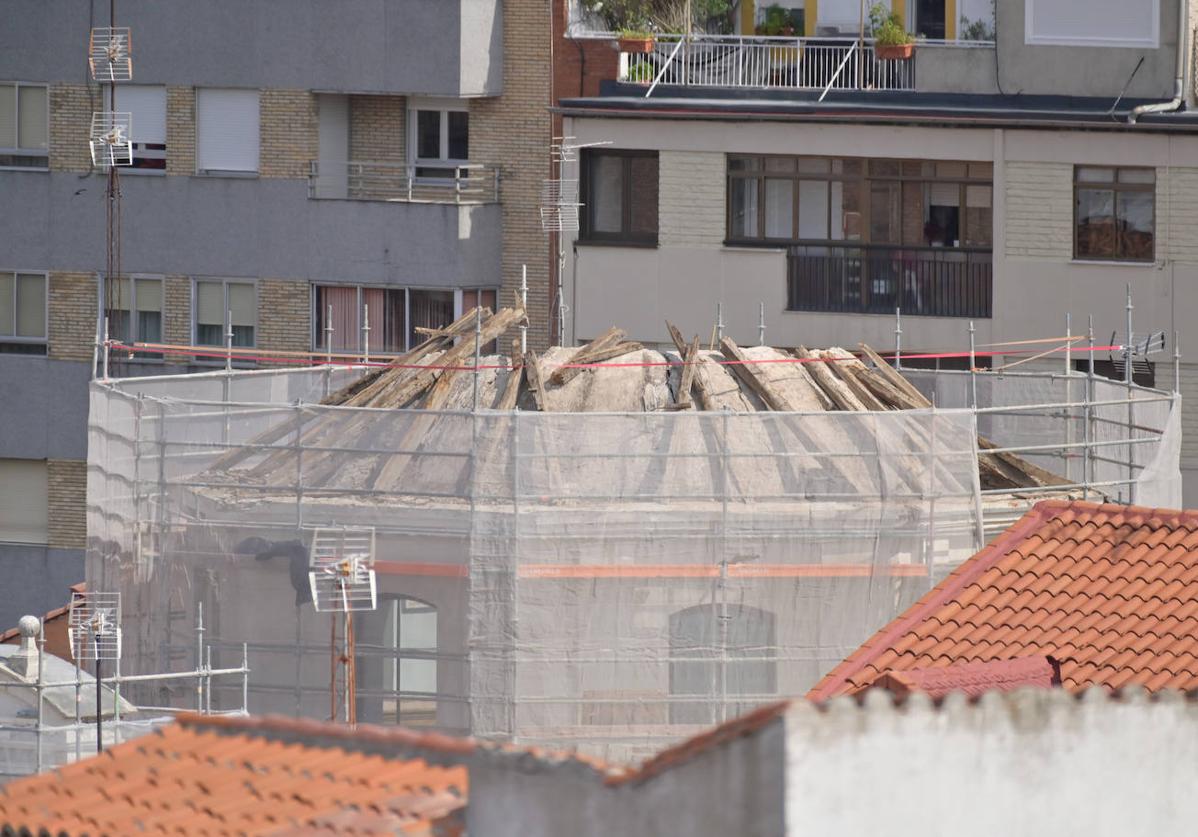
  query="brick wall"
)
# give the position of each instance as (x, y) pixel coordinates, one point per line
(377, 129)
(691, 198)
(66, 490)
(289, 138)
(176, 315)
(579, 64)
(284, 315)
(71, 107)
(72, 316)
(1039, 219)
(512, 131)
(180, 130)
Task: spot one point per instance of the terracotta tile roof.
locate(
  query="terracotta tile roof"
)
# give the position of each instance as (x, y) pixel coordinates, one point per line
(1109, 592)
(249, 776)
(971, 678)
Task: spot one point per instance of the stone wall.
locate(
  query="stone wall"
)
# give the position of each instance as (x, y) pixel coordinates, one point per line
(73, 305)
(66, 481)
(289, 139)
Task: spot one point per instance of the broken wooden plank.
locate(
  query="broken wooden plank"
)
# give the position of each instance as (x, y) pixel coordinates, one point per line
(532, 373)
(759, 381)
(844, 366)
(511, 387)
(689, 361)
(699, 381)
(840, 395)
(564, 374)
(587, 354)
(895, 377)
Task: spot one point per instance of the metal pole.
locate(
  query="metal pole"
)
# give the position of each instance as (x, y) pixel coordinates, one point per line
(478, 338)
(99, 693)
(1087, 429)
(199, 656)
(245, 677)
(208, 681)
(1068, 396)
(1131, 421)
(41, 679)
(366, 333)
(898, 338)
(524, 305)
(719, 321)
(973, 372)
(229, 341)
(328, 336)
(761, 324)
(105, 348)
(78, 701)
(1176, 365)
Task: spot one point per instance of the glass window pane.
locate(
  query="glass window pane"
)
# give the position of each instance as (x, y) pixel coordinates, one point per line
(1095, 234)
(149, 294)
(915, 212)
(780, 164)
(884, 213)
(388, 322)
(985, 170)
(643, 194)
(8, 116)
(944, 169)
(243, 307)
(1087, 174)
(1135, 224)
(32, 130)
(459, 135)
(606, 193)
(429, 309)
(744, 208)
(31, 305)
(813, 207)
(779, 208)
(428, 134)
(814, 165)
(8, 308)
(1137, 176)
(744, 163)
(210, 315)
(337, 305)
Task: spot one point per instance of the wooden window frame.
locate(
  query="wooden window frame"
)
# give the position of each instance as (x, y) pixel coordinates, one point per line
(1115, 187)
(587, 234)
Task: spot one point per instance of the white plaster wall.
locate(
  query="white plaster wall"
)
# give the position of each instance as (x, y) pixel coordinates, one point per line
(1034, 762)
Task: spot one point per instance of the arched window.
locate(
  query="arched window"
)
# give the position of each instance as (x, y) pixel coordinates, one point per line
(720, 654)
(397, 663)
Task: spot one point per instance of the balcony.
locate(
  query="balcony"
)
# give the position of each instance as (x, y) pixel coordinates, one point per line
(872, 279)
(404, 183)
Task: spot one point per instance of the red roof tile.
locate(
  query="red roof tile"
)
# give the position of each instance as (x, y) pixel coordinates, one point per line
(1107, 591)
(253, 777)
(971, 678)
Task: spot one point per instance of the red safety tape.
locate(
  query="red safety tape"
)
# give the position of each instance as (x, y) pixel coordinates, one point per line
(316, 360)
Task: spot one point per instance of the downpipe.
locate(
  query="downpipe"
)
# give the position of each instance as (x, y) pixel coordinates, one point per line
(1183, 21)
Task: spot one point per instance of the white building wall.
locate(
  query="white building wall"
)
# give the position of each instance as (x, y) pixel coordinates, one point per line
(1032, 762)
(691, 199)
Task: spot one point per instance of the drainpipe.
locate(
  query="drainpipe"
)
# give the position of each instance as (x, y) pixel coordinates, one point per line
(1183, 24)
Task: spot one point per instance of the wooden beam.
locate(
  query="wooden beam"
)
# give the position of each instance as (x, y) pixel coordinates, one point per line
(699, 382)
(588, 354)
(752, 377)
(840, 395)
(845, 367)
(532, 373)
(895, 377)
(511, 388)
(689, 361)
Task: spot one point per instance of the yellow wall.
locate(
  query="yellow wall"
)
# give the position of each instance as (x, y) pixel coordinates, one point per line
(810, 16)
(748, 10)
(899, 7)
(950, 19)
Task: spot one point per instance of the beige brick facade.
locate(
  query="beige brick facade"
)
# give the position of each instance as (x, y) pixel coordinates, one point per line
(1177, 214)
(377, 129)
(66, 490)
(180, 130)
(73, 303)
(71, 107)
(176, 315)
(1039, 215)
(289, 136)
(691, 199)
(512, 131)
(284, 315)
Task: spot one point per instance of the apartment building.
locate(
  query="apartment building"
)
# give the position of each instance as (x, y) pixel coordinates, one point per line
(1005, 182)
(307, 177)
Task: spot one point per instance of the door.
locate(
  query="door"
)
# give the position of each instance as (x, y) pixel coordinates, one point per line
(929, 18)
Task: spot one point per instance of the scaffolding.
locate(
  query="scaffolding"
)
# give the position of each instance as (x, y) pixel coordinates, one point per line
(611, 581)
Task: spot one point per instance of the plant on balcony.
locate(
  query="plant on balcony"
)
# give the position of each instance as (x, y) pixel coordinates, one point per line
(641, 72)
(780, 21)
(635, 41)
(891, 40)
(662, 15)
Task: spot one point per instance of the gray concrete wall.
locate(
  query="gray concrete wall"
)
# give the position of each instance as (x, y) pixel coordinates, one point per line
(249, 227)
(36, 579)
(44, 409)
(432, 47)
(1030, 762)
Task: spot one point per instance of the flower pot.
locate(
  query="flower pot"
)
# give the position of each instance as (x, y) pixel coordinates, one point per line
(899, 51)
(636, 45)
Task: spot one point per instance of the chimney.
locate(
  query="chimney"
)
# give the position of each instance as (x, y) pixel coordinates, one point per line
(24, 663)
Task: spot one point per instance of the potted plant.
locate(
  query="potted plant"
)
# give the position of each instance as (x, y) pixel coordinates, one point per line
(778, 21)
(891, 40)
(640, 72)
(635, 41)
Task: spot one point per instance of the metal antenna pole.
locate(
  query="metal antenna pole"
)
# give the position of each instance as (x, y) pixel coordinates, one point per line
(761, 324)
(898, 338)
(1176, 365)
(328, 336)
(1127, 348)
(105, 348)
(99, 692)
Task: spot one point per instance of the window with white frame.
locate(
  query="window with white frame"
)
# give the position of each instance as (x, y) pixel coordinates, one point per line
(22, 312)
(227, 131)
(1134, 24)
(133, 308)
(395, 315)
(147, 106)
(24, 501)
(24, 125)
(439, 138)
(224, 305)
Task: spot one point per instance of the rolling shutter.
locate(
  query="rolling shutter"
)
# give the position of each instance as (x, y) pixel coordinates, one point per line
(227, 130)
(148, 106)
(24, 505)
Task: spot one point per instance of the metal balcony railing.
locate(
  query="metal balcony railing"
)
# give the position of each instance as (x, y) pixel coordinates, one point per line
(871, 279)
(747, 61)
(404, 183)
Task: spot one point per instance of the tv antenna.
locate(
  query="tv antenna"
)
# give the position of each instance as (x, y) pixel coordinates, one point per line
(342, 580)
(94, 631)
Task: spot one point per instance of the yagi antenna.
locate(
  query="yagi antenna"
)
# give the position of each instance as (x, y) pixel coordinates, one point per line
(109, 54)
(111, 139)
(94, 631)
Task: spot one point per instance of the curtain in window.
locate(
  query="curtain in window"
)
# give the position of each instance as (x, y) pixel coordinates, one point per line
(430, 309)
(386, 310)
(344, 304)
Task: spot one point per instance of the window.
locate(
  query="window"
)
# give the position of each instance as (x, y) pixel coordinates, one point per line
(24, 126)
(1103, 23)
(914, 203)
(147, 106)
(24, 504)
(620, 196)
(1114, 213)
(394, 314)
(718, 655)
(222, 305)
(440, 134)
(227, 130)
(485, 298)
(133, 307)
(23, 313)
(397, 659)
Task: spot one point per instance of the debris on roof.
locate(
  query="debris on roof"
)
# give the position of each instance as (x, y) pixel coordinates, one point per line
(971, 678)
(1109, 592)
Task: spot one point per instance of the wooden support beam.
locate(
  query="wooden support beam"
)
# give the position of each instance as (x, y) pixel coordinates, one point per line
(532, 373)
(840, 395)
(847, 368)
(588, 354)
(895, 377)
(690, 359)
(699, 383)
(752, 377)
(511, 387)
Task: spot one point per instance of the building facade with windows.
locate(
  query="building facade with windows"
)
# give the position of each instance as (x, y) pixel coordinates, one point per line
(306, 178)
(1006, 184)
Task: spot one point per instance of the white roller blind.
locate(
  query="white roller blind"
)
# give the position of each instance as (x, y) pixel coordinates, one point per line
(241, 305)
(148, 106)
(945, 194)
(8, 116)
(33, 127)
(149, 294)
(210, 303)
(23, 501)
(1112, 23)
(227, 130)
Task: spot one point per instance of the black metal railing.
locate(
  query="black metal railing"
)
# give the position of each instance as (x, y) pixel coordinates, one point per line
(876, 279)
